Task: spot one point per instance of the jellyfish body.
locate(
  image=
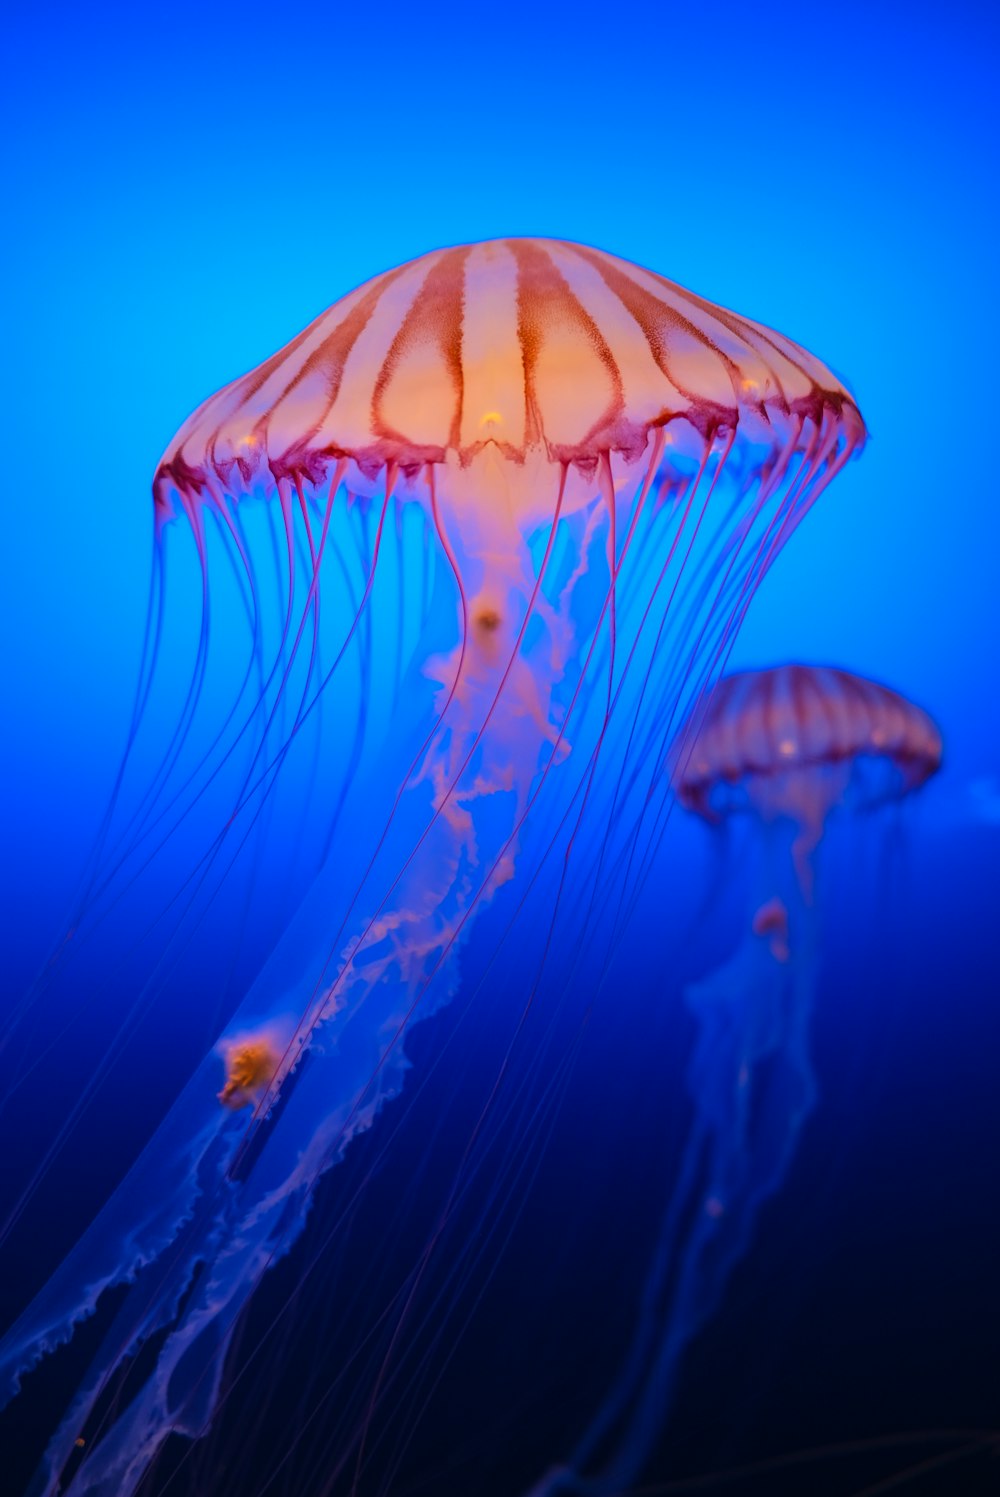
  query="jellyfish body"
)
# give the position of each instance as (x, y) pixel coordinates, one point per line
(785, 746)
(601, 468)
(793, 742)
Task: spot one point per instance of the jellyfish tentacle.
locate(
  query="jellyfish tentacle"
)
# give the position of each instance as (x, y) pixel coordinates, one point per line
(193, 694)
(314, 1009)
(644, 756)
(614, 563)
(746, 1019)
(768, 1026)
(268, 1098)
(251, 787)
(669, 604)
(731, 619)
(151, 637)
(140, 827)
(309, 607)
(452, 936)
(625, 880)
(313, 600)
(17, 1209)
(449, 552)
(100, 1071)
(41, 1055)
(77, 904)
(137, 830)
(313, 1260)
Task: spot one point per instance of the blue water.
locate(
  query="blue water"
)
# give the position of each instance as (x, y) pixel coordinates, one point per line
(185, 192)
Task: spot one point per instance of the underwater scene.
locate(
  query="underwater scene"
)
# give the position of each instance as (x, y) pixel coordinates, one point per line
(502, 755)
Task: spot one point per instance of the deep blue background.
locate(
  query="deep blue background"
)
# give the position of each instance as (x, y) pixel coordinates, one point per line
(187, 188)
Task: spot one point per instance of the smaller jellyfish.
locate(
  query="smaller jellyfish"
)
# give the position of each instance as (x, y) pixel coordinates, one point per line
(785, 746)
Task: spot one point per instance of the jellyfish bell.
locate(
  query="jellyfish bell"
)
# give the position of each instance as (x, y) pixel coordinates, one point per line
(794, 741)
(760, 728)
(501, 383)
(589, 472)
(496, 363)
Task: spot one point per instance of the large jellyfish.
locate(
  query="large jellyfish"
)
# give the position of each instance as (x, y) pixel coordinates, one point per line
(785, 746)
(524, 492)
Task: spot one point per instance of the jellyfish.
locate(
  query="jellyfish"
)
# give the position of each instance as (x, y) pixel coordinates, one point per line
(785, 747)
(493, 519)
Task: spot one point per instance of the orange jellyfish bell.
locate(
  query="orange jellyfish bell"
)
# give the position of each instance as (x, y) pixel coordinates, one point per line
(496, 363)
(795, 740)
(760, 729)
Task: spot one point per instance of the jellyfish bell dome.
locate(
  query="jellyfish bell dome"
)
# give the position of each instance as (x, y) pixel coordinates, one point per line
(797, 739)
(514, 368)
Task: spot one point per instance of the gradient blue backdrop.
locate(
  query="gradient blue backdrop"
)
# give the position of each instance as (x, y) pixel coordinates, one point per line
(186, 188)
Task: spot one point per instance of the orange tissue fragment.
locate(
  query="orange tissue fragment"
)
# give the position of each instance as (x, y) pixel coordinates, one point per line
(250, 1065)
(772, 920)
